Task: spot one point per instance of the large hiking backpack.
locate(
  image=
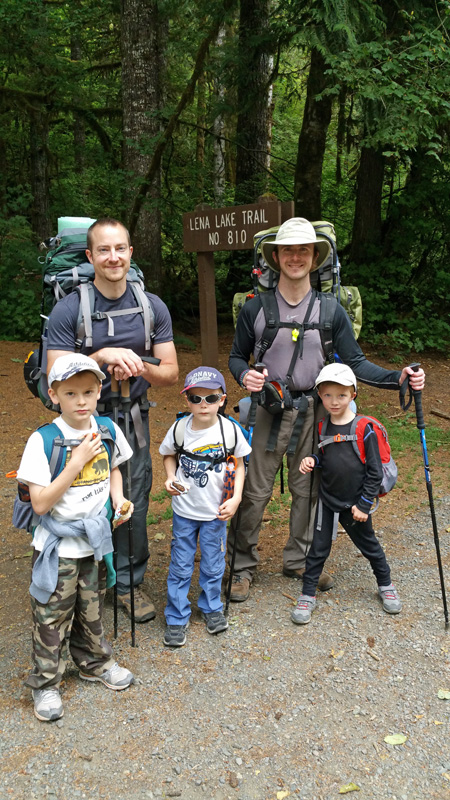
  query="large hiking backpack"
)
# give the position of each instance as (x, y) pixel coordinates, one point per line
(65, 269)
(356, 436)
(55, 447)
(325, 279)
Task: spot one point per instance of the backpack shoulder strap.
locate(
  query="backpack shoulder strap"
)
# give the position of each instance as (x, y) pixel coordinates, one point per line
(54, 451)
(328, 305)
(178, 432)
(147, 309)
(85, 311)
(272, 317)
(228, 429)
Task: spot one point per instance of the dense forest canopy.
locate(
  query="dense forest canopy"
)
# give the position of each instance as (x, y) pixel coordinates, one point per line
(145, 108)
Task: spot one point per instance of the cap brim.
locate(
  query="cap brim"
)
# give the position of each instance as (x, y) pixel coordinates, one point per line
(323, 247)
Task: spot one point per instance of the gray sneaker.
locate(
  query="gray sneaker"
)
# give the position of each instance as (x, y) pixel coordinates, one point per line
(175, 635)
(116, 677)
(390, 599)
(47, 704)
(305, 606)
(215, 621)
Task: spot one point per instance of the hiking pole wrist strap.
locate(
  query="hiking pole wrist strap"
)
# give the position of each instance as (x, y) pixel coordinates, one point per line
(404, 405)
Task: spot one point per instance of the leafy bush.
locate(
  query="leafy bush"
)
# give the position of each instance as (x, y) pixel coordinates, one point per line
(20, 277)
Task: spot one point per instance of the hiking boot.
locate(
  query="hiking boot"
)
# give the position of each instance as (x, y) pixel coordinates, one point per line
(144, 610)
(325, 580)
(390, 599)
(115, 677)
(175, 635)
(240, 589)
(47, 704)
(215, 621)
(305, 606)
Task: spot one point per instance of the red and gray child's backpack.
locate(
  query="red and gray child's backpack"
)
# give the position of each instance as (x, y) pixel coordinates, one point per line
(356, 436)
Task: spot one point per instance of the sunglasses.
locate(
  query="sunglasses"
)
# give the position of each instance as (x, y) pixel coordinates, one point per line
(210, 399)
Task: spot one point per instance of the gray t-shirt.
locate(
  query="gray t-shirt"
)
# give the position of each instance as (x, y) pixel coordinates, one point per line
(128, 330)
(278, 356)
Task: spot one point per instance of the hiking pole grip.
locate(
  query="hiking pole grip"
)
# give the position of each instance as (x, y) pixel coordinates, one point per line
(151, 360)
(418, 402)
(259, 367)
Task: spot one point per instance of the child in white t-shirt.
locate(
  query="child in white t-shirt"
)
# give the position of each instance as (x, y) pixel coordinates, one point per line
(72, 537)
(196, 473)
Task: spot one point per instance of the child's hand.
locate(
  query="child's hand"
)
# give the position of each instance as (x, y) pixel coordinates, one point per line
(307, 464)
(171, 485)
(228, 509)
(124, 509)
(91, 446)
(358, 515)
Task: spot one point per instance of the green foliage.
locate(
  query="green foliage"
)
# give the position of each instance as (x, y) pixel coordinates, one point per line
(20, 278)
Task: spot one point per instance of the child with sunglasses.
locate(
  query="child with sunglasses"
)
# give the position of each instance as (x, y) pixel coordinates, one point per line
(199, 513)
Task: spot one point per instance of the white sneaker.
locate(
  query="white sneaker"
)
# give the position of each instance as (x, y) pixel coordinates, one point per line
(47, 704)
(390, 599)
(114, 678)
(305, 606)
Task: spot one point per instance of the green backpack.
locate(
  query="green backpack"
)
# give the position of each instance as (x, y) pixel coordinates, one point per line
(65, 269)
(326, 279)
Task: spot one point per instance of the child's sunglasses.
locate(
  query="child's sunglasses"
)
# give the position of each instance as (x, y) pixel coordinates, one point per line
(210, 399)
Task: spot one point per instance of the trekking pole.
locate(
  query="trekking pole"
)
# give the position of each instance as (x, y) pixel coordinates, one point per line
(421, 426)
(125, 402)
(115, 400)
(260, 367)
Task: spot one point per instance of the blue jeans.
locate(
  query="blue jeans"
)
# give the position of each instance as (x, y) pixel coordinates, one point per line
(212, 539)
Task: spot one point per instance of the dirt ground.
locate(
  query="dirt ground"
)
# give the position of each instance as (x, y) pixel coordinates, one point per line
(21, 414)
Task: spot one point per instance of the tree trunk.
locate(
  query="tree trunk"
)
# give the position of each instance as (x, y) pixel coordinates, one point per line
(367, 220)
(311, 143)
(142, 41)
(218, 131)
(40, 217)
(79, 132)
(254, 118)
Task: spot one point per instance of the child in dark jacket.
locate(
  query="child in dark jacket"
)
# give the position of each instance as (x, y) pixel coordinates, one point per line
(347, 491)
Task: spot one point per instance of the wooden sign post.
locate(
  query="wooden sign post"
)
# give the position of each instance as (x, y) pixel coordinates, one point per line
(206, 230)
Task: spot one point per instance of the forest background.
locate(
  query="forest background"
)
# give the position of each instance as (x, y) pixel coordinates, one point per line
(142, 109)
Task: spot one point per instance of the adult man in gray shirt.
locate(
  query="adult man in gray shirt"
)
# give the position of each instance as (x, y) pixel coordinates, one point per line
(118, 342)
(295, 253)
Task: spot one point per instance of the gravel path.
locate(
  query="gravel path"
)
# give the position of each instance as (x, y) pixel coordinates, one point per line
(266, 710)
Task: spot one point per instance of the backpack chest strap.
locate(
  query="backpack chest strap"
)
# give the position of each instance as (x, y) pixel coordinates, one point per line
(339, 437)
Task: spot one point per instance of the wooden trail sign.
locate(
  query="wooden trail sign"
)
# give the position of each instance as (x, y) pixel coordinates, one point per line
(206, 230)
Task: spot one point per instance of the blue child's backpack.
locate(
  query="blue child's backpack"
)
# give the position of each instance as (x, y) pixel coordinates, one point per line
(55, 447)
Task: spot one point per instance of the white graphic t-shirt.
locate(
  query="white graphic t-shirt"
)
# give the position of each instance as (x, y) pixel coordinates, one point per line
(202, 500)
(88, 493)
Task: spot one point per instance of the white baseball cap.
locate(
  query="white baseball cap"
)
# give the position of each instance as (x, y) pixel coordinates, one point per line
(336, 373)
(66, 366)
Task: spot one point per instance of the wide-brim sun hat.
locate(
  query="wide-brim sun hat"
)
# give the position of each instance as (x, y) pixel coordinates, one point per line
(296, 230)
(337, 373)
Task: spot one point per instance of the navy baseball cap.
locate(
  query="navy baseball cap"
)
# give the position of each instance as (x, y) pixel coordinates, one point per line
(206, 377)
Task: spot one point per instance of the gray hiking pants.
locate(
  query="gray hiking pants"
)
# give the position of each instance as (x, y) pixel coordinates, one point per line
(258, 489)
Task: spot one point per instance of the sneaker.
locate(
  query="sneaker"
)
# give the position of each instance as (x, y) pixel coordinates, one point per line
(175, 635)
(215, 621)
(47, 704)
(116, 677)
(144, 610)
(390, 599)
(305, 606)
(325, 581)
(240, 589)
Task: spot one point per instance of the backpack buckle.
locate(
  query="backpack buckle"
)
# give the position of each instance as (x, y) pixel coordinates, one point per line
(339, 437)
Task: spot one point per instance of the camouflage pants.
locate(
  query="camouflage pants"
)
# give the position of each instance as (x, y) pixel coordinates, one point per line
(71, 620)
